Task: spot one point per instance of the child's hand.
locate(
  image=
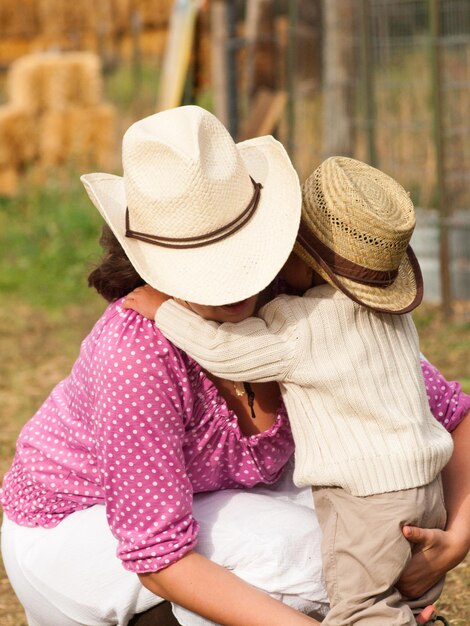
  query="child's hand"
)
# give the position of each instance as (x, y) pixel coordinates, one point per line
(145, 300)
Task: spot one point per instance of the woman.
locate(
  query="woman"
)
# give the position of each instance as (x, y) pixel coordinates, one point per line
(113, 457)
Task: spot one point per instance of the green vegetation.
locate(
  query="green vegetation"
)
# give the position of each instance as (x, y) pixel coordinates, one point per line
(122, 84)
(48, 238)
(446, 343)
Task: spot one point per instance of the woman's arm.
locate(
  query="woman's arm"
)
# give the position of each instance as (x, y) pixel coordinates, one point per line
(439, 551)
(436, 551)
(219, 595)
(456, 479)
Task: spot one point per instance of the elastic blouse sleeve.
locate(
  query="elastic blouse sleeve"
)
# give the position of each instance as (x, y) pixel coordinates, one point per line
(140, 403)
(220, 455)
(448, 403)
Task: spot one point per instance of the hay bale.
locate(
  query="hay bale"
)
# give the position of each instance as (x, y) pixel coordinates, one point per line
(59, 94)
(84, 136)
(51, 17)
(71, 79)
(57, 18)
(18, 137)
(91, 135)
(77, 24)
(18, 146)
(152, 42)
(89, 82)
(103, 136)
(24, 84)
(18, 19)
(9, 181)
(154, 13)
(121, 12)
(53, 81)
(12, 48)
(53, 139)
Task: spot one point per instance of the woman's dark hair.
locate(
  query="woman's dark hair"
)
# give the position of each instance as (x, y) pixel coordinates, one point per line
(115, 276)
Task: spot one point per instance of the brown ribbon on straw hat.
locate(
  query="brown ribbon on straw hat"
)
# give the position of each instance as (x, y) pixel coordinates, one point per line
(355, 231)
(341, 266)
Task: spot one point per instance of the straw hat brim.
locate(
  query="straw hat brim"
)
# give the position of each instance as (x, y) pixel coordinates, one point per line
(402, 296)
(229, 270)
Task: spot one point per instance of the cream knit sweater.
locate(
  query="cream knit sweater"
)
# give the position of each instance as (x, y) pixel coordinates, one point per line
(350, 379)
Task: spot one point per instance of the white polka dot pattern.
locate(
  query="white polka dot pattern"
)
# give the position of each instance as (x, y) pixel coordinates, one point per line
(447, 402)
(139, 427)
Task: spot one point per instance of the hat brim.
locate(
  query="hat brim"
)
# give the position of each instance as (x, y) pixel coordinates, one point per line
(402, 296)
(229, 270)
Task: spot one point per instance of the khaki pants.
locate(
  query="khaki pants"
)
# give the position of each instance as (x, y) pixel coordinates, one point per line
(364, 552)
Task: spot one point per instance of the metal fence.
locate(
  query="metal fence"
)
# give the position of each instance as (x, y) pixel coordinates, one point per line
(385, 81)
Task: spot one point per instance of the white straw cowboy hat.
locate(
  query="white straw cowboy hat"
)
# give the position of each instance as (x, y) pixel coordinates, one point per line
(200, 217)
(355, 231)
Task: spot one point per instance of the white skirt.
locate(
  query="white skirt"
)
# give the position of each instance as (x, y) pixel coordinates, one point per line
(70, 576)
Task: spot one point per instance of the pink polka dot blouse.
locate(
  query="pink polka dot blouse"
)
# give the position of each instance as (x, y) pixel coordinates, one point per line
(139, 427)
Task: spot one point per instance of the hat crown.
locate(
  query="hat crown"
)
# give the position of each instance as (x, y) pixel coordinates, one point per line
(183, 174)
(359, 212)
(200, 217)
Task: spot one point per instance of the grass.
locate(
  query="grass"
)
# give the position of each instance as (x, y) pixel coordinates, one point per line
(38, 348)
(48, 236)
(447, 344)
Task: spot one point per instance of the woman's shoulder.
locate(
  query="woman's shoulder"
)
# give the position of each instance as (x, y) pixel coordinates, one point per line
(133, 339)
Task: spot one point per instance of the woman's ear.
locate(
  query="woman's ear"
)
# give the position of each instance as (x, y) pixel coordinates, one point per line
(297, 273)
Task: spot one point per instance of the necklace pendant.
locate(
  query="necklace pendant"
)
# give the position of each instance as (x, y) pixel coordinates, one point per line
(239, 388)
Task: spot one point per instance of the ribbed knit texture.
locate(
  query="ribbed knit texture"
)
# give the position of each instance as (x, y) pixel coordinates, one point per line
(350, 378)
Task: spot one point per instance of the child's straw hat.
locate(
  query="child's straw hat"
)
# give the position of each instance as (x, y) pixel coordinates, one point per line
(355, 231)
(200, 217)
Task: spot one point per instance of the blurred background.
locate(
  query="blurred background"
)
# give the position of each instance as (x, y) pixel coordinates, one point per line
(384, 81)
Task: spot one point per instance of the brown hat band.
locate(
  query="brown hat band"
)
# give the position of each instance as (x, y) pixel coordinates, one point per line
(201, 240)
(341, 266)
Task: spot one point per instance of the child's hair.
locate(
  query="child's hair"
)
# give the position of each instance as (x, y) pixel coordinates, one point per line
(115, 276)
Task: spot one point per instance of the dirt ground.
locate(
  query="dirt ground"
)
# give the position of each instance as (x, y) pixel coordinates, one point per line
(37, 350)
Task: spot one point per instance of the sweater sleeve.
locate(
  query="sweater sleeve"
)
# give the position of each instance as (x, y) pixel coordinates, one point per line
(254, 350)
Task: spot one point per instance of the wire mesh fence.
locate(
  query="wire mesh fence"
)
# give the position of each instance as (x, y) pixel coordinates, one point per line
(388, 82)
(405, 81)
(385, 81)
